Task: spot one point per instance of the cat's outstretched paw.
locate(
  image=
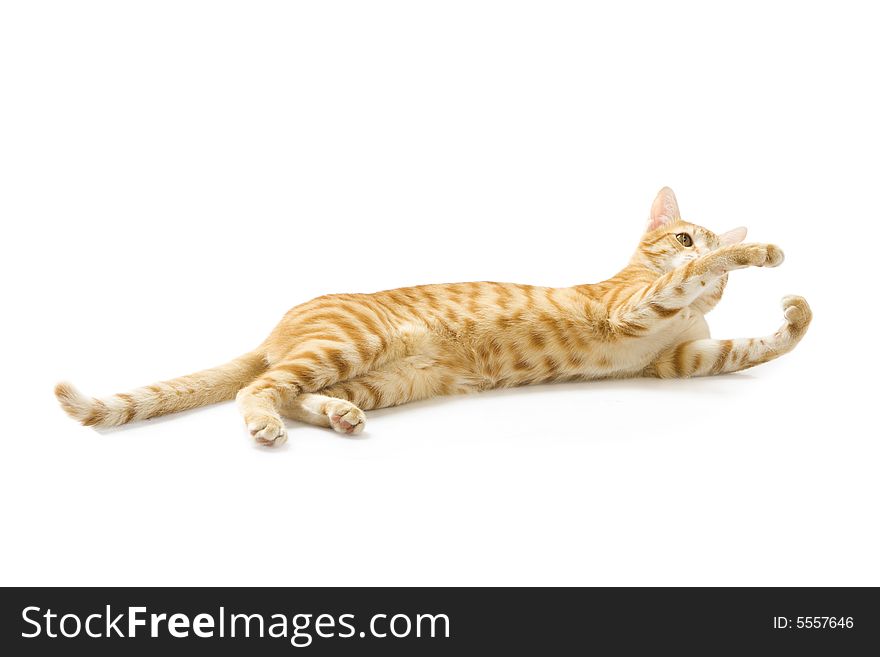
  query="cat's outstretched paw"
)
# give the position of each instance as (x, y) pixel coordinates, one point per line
(774, 256)
(763, 255)
(346, 418)
(268, 430)
(743, 255)
(798, 314)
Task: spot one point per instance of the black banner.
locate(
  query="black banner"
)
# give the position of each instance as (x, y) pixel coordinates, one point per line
(419, 621)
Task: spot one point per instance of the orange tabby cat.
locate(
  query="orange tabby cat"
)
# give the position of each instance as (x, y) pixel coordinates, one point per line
(338, 355)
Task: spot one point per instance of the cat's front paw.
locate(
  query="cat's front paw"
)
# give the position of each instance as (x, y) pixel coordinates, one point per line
(773, 256)
(798, 314)
(762, 255)
(268, 430)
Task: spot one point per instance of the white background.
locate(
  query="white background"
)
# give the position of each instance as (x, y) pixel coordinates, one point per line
(175, 175)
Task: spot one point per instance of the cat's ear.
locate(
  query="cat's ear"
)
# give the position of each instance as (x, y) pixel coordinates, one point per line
(734, 236)
(664, 210)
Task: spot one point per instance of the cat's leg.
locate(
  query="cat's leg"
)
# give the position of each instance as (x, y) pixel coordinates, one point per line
(711, 296)
(258, 404)
(308, 368)
(705, 357)
(400, 382)
(341, 405)
(326, 411)
(677, 289)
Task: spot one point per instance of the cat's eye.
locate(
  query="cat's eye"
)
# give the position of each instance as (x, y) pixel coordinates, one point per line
(685, 239)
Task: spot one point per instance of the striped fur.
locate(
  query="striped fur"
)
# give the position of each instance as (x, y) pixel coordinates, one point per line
(191, 391)
(336, 356)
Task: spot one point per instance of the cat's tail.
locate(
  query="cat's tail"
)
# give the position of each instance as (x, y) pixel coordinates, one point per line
(191, 391)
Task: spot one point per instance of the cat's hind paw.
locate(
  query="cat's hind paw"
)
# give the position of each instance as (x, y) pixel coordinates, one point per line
(267, 430)
(346, 418)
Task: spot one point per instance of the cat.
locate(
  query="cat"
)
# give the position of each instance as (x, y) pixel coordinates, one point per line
(334, 357)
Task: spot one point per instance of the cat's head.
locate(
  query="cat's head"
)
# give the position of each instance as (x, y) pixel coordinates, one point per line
(669, 242)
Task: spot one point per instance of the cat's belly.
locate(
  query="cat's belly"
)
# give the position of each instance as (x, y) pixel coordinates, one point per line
(519, 359)
(630, 357)
(520, 354)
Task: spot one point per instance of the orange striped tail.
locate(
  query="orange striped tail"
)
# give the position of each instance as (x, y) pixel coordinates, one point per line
(191, 391)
